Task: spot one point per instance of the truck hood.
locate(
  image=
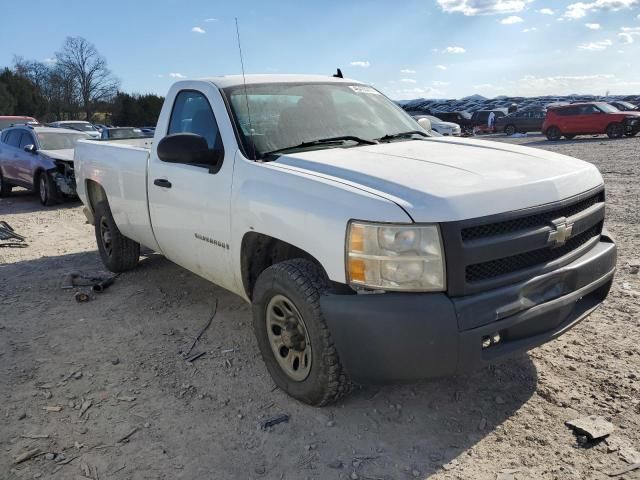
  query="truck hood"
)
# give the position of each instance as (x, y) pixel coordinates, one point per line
(66, 155)
(449, 179)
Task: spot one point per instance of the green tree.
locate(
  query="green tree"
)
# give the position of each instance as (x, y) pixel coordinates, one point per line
(7, 101)
(28, 98)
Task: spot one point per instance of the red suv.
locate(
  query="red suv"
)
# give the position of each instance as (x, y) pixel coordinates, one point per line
(589, 118)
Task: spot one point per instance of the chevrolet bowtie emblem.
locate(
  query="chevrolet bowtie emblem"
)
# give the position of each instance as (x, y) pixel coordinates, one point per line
(561, 232)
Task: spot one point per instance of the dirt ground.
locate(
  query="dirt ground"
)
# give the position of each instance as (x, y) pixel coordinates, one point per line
(112, 366)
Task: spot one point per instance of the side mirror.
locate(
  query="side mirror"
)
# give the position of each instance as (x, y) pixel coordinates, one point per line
(425, 123)
(188, 148)
(30, 148)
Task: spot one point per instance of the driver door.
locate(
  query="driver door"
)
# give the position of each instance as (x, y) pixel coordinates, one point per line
(189, 205)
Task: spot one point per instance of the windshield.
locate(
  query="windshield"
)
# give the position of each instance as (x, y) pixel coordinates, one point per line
(59, 141)
(627, 106)
(83, 127)
(121, 133)
(288, 114)
(605, 107)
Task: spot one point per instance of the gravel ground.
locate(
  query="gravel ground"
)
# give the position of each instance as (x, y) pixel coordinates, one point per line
(112, 368)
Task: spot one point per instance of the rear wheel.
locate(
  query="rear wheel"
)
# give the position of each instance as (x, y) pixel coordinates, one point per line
(553, 133)
(47, 190)
(615, 130)
(631, 134)
(5, 187)
(118, 252)
(510, 129)
(292, 334)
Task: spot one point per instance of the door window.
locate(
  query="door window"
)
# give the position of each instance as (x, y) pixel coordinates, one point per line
(13, 138)
(27, 139)
(192, 114)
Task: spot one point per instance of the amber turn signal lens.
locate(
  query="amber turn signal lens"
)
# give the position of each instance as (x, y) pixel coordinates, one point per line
(356, 270)
(356, 238)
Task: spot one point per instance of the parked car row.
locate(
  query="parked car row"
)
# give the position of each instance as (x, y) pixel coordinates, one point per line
(39, 159)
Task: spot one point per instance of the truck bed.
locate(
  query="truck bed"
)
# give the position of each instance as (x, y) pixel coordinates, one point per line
(120, 167)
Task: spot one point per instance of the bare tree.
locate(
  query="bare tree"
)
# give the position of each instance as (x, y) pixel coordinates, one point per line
(80, 60)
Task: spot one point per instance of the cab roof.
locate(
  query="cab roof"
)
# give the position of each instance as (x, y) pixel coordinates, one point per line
(237, 80)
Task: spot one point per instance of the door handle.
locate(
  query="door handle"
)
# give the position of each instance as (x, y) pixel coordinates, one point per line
(162, 182)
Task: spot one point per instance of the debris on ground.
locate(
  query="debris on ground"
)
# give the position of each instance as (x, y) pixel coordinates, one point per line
(593, 427)
(127, 436)
(9, 238)
(276, 419)
(195, 340)
(623, 470)
(29, 454)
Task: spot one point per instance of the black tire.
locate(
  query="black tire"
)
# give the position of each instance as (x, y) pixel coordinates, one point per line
(553, 133)
(615, 130)
(510, 129)
(5, 187)
(118, 252)
(46, 189)
(570, 137)
(302, 283)
(631, 134)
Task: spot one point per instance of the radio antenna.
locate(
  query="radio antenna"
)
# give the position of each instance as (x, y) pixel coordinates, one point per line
(246, 97)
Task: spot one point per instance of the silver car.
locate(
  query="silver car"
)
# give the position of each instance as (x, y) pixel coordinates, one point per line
(78, 125)
(39, 159)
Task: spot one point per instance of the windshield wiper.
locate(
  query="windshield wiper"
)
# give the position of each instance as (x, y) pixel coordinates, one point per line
(394, 136)
(323, 141)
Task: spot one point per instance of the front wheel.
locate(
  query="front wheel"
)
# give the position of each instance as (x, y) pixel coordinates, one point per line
(510, 130)
(631, 134)
(553, 133)
(292, 334)
(615, 130)
(47, 190)
(118, 252)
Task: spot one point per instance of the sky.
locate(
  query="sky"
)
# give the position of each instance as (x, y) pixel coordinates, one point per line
(407, 49)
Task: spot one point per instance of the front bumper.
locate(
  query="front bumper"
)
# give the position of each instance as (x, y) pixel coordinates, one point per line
(405, 336)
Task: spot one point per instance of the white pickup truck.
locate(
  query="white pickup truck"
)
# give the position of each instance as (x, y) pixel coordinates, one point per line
(369, 249)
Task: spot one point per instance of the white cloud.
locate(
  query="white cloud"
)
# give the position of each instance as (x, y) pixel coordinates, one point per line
(441, 67)
(596, 46)
(407, 80)
(210, 20)
(438, 83)
(581, 9)
(50, 60)
(513, 19)
(454, 50)
(483, 7)
(360, 63)
(483, 86)
(198, 30)
(428, 92)
(546, 11)
(628, 33)
(176, 75)
(593, 26)
(531, 85)
(407, 70)
(527, 30)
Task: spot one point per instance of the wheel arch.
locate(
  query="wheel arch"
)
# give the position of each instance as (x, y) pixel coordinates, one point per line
(95, 194)
(259, 251)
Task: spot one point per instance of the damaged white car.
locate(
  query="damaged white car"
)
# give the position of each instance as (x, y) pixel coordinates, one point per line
(39, 159)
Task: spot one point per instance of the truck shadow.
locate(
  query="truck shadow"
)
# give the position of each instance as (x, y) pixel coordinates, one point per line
(152, 312)
(25, 201)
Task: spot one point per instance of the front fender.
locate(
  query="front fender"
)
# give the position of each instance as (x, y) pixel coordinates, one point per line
(302, 209)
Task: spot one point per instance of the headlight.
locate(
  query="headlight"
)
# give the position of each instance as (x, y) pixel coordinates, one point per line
(395, 257)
